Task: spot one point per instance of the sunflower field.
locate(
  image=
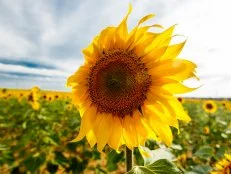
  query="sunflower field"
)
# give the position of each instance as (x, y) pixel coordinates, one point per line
(36, 129)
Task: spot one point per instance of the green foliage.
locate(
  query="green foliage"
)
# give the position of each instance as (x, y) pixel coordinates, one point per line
(161, 166)
(204, 152)
(38, 141)
(113, 158)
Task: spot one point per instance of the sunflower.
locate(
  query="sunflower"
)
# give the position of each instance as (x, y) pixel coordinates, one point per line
(33, 98)
(3, 92)
(124, 91)
(206, 130)
(223, 166)
(182, 158)
(180, 99)
(209, 106)
(226, 104)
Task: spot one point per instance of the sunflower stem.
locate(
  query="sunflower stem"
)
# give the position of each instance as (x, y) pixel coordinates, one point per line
(129, 159)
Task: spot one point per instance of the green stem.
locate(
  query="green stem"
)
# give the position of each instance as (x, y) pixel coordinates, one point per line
(129, 159)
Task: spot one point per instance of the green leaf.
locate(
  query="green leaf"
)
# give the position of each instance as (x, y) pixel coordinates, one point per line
(161, 166)
(151, 156)
(200, 170)
(3, 147)
(204, 152)
(33, 163)
(60, 159)
(112, 159)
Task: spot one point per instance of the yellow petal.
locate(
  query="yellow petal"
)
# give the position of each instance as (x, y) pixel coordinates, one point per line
(142, 133)
(80, 95)
(129, 132)
(167, 68)
(173, 51)
(163, 131)
(161, 113)
(179, 110)
(104, 131)
(145, 18)
(87, 122)
(79, 78)
(177, 88)
(161, 40)
(153, 56)
(116, 133)
(91, 138)
(107, 38)
(122, 31)
(136, 36)
(89, 54)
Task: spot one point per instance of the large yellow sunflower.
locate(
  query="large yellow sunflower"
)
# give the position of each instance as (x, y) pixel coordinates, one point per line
(223, 166)
(124, 91)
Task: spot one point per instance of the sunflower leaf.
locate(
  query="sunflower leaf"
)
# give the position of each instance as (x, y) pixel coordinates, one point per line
(204, 152)
(200, 170)
(161, 166)
(151, 156)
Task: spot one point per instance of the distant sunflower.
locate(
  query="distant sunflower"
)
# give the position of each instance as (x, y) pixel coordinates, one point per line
(124, 91)
(180, 99)
(210, 106)
(44, 96)
(206, 130)
(4, 90)
(223, 166)
(226, 104)
(33, 98)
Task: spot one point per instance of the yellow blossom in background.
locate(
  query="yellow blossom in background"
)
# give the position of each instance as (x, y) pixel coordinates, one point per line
(182, 158)
(226, 104)
(206, 130)
(34, 98)
(124, 91)
(223, 166)
(210, 106)
(180, 99)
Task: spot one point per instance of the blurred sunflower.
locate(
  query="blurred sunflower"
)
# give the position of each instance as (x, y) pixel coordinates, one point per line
(182, 158)
(180, 99)
(4, 90)
(209, 106)
(223, 166)
(206, 130)
(33, 98)
(226, 104)
(124, 91)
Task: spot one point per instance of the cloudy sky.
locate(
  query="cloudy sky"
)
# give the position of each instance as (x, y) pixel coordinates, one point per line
(41, 41)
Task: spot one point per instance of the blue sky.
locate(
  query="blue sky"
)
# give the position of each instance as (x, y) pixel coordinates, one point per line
(41, 41)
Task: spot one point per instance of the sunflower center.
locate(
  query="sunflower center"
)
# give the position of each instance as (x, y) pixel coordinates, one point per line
(209, 106)
(118, 83)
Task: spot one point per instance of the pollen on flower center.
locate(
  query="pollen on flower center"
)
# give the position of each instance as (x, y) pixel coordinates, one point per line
(118, 82)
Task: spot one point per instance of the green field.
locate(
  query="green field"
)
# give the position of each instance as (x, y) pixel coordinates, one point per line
(38, 140)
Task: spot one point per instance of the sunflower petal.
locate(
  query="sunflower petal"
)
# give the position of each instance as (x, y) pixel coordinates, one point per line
(104, 131)
(173, 51)
(145, 18)
(86, 123)
(116, 133)
(140, 127)
(91, 138)
(129, 132)
(122, 31)
(177, 88)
